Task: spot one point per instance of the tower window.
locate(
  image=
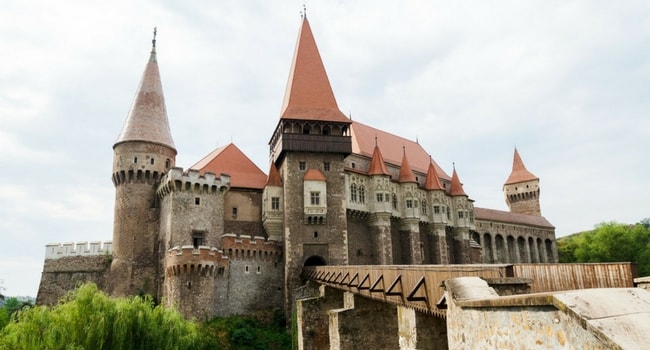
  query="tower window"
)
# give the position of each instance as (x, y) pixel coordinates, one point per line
(362, 194)
(436, 209)
(409, 203)
(275, 203)
(198, 239)
(197, 200)
(135, 159)
(315, 234)
(234, 212)
(151, 161)
(302, 166)
(167, 164)
(380, 197)
(314, 198)
(353, 192)
(326, 166)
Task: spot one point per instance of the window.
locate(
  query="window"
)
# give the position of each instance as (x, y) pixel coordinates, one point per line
(460, 214)
(353, 165)
(198, 239)
(135, 159)
(197, 200)
(275, 203)
(471, 217)
(424, 207)
(326, 166)
(409, 203)
(362, 194)
(301, 166)
(167, 164)
(151, 161)
(315, 198)
(394, 201)
(436, 209)
(234, 212)
(380, 197)
(353, 192)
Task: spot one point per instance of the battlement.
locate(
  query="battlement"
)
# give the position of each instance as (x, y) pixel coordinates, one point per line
(135, 176)
(245, 247)
(186, 259)
(192, 181)
(60, 250)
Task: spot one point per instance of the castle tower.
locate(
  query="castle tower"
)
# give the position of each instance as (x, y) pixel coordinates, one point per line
(143, 152)
(379, 219)
(521, 189)
(311, 141)
(409, 225)
(273, 205)
(462, 215)
(438, 227)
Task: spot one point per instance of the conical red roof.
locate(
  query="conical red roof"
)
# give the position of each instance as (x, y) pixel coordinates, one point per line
(519, 172)
(274, 177)
(147, 119)
(433, 181)
(377, 165)
(309, 95)
(456, 188)
(405, 171)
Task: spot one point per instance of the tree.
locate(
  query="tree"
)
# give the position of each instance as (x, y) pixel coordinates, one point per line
(89, 319)
(610, 242)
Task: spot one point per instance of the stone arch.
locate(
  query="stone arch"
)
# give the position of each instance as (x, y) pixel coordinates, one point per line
(500, 248)
(532, 250)
(540, 250)
(521, 245)
(315, 260)
(549, 250)
(488, 249)
(512, 250)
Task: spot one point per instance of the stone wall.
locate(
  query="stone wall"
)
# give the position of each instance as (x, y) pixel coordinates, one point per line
(66, 273)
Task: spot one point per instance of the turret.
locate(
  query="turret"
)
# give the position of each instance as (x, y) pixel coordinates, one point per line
(462, 215)
(143, 153)
(273, 205)
(521, 189)
(380, 210)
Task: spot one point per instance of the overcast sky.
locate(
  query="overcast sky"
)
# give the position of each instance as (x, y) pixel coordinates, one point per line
(566, 82)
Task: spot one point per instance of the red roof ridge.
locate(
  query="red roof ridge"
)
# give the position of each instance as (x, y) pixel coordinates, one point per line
(433, 181)
(274, 177)
(314, 175)
(519, 172)
(377, 165)
(231, 160)
(405, 171)
(456, 188)
(309, 94)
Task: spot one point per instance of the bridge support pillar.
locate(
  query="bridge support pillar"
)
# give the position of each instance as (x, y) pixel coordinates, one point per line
(411, 228)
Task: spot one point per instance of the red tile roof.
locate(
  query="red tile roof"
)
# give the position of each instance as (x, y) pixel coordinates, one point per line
(274, 176)
(519, 172)
(512, 218)
(405, 172)
(456, 187)
(309, 95)
(314, 175)
(147, 119)
(232, 161)
(392, 146)
(377, 165)
(433, 181)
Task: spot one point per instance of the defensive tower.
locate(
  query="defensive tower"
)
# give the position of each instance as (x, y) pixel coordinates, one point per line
(521, 189)
(143, 153)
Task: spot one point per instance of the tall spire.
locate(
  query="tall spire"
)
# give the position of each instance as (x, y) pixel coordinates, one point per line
(433, 181)
(147, 120)
(405, 171)
(309, 94)
(519, 172)
(456, 187)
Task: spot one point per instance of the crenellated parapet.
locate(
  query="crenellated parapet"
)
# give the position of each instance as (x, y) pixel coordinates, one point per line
(245, 247)
(203, 260)
(61, 250)
(135, 176)
(192, 181)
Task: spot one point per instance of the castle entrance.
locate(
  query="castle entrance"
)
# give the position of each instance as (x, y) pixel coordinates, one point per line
(315, 260)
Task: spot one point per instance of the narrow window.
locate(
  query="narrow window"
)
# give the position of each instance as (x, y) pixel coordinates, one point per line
(409, 203)
(198, 239)
(234, 212)
(460, 214)
(424, 207)
(315, 198)
(246, 269)
(353, 192)
(380, 197)
(436, 209)
(362, 194)
(135, 159)
(151, 161)
(326, 166)
(259, 269)
(394, 201)
(302, 166)
(197, 200)
(275, 203)
(167, 164)
(315, 234)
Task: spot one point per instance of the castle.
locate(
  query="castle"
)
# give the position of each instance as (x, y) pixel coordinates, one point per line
(223, 237)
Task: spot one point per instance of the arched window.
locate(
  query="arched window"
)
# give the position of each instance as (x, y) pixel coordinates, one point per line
(353, 192)
(424, 207)
(362, 194)
(394, 199)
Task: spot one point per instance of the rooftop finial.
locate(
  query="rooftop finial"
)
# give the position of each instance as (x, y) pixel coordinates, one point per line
(153, 41)
(404, 150)
(304, 11)
(375, 140)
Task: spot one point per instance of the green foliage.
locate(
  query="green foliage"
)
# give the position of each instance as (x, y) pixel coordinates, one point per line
(89, 319)
(262, 331)
(610, 242)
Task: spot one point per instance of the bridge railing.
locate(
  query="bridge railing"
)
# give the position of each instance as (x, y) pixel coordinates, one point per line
(420, 286)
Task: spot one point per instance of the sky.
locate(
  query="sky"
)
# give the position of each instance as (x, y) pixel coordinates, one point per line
(565, 82)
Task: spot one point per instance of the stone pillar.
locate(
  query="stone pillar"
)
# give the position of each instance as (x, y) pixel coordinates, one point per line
(441, 249)
(380, 224)
(411, 227)
(461, 246)
(407, 328)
